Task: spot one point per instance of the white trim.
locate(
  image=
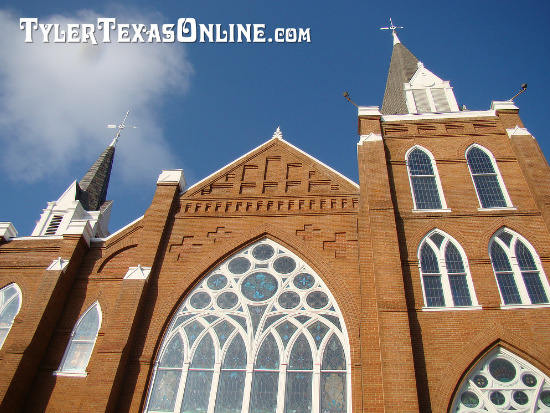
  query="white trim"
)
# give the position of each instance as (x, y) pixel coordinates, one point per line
(503, 105)
(493, 209)
(432, 210)
(436, 176)
(435, 116)
(19, 296)
(368, 111)
(444, 274)
(241, 158)
(7, 231)
(371, 137)
(510, 252)
(69, 374)
(137, 273)
(522, 306)
(172, 176)
(497, 173)
(58, 264)
(114, 234)
(38, 237)
(517, 131)
(468, 308)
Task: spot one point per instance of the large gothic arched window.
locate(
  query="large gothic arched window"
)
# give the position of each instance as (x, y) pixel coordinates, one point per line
(10, 304)
(503, 382)
(260, 333)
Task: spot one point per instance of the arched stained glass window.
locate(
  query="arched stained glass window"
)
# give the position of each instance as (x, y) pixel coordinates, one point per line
(83, 338)
(260, 333)
(503, 382)
(10, 304)
(490, 188)
(517, 268)
(424, 179)
(444, 270)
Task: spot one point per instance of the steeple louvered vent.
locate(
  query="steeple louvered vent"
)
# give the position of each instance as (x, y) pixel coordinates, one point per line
(54, 225)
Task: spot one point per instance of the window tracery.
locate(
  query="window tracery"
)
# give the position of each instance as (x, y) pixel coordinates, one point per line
(278, 343)
(517, 269)
(445, 274)
(503, 382)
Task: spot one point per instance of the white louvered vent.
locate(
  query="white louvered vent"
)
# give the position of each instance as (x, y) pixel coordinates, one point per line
(421, 100)
(54, 225)
(440, 100)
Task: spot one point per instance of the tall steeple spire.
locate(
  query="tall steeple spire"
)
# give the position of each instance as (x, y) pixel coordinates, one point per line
(94, 185)
(411, 88)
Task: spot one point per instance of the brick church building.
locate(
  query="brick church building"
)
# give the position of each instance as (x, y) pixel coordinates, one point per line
(276, 284)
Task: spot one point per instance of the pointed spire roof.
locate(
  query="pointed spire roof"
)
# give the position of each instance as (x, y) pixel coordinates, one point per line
(403, 66)
(93, 187)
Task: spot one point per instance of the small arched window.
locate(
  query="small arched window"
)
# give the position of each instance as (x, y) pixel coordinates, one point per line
(83, 338)
(488, 182)
(445, 274)
(518, 270)
(424, 179)
(10, 304)
(502, 381)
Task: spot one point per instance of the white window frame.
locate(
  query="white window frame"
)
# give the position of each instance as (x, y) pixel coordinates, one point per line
(81, 372)
(254, 341)
(4, 305)
(445, 282)
(437, 181)
(507, 199)
(518, 278)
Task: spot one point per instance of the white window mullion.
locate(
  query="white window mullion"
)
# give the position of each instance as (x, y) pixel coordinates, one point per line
(282, 389)
(181, 388)
(247, 387)
(214, 389)
(316, 391)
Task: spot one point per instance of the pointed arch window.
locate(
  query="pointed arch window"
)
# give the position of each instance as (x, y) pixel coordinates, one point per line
(260, 333)
(83, 338)
(517, 269)
(445, 275)
(502, 381)
(424, 179)
(10, 304)
(488, 182)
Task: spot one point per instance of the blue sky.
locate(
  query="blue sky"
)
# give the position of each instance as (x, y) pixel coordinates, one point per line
(198, 106)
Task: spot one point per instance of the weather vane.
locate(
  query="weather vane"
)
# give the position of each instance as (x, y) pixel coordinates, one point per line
(120, 127)
(392, 27)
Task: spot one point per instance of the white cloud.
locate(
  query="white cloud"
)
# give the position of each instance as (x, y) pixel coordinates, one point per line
(56, 99)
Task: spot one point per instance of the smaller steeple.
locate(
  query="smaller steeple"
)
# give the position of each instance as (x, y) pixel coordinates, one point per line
(84, 201)
(410, 87)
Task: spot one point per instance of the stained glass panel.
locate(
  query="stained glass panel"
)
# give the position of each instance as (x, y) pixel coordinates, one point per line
(259, 286)
(300, 357)
(223, 330)
(163, 396)
(256, 312)
(239, 265)
(304, 281)
(428, 260)
(289, 299)
(216, 281)
(197, 392)
(318, 331)
(270, 320)
(334, 357)
(298, 392)
(263, 252)
(192, 331)
(265, 387)
(87, 327)
(204, 354)
(235, 358)
(286, 330)
(284, 265)
(173, 355)
(333, 390)
(200, 300)
(453, 259)
(317, 299)
(268, 356)
(230, 392)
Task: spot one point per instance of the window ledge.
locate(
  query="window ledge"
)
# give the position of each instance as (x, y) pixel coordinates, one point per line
(70, 373)
(432, 210)
(512, 208)
(519, 306)
(467, 308)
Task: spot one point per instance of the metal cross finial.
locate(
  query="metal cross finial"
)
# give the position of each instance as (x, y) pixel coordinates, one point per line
(392, 27)
(120, 127)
